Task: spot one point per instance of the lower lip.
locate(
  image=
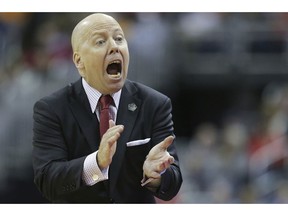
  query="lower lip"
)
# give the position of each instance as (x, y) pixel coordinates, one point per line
(115, 77)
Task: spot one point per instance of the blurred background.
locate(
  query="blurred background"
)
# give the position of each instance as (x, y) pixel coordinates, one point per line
(227, 76)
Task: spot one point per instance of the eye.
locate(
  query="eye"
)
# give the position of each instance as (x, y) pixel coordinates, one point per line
(119, 39)
(100, 42)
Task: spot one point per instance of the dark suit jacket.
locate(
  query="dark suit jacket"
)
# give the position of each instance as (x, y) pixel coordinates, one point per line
(65, 132)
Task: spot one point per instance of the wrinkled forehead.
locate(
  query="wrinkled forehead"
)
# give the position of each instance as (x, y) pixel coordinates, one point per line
(93, 24)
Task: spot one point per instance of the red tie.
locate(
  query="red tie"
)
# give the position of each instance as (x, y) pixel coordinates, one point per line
(105, 101)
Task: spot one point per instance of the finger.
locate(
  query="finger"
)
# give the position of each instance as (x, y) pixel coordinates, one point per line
(167, 142)
(143, 182)
(113, 133)
(111, 123)
(113, 139)
(166, 164)
(154, 174)
(115, 129)
(171, 159)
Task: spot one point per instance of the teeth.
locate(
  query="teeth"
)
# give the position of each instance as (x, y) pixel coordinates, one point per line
(116, 62)
(115, 75)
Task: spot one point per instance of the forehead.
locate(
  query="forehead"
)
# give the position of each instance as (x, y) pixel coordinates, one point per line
(101, 24)
(92, 25)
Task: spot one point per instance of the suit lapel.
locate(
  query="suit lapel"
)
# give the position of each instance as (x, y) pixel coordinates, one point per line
(129, 107)
(87, 120)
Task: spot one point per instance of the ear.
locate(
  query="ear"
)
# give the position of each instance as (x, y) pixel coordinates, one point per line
(78, 63)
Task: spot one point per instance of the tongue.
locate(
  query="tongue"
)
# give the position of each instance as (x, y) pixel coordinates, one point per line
(112, 69)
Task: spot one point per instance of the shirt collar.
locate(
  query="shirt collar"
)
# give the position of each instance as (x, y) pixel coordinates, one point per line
(94, 95)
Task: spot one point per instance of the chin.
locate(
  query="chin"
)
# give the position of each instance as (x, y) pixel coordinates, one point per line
(114, 88)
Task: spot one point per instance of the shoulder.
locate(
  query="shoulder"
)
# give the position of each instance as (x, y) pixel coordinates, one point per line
(144, 91)
(56, 96)
(59, 98)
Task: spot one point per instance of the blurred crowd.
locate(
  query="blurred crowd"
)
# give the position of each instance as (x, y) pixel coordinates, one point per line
(242, 160)
(240, 156)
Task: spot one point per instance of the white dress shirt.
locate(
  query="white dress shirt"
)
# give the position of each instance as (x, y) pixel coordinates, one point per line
(91, 171)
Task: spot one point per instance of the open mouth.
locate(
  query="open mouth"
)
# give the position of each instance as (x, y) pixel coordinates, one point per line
(114, 69)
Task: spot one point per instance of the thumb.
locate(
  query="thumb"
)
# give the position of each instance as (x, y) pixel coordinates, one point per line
(167, 142)
(111, 123)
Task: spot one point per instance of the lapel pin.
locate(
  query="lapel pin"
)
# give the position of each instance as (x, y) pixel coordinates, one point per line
(132, 107)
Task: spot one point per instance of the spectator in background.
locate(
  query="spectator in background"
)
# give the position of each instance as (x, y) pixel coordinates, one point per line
(45, 65)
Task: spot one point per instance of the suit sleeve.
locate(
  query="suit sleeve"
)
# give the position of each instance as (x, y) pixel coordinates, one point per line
(54, 175)
(171, 180)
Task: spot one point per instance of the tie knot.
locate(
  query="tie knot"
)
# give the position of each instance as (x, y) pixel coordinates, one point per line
(105, 101)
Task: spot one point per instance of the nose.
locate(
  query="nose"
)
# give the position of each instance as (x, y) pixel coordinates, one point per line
(113, 47)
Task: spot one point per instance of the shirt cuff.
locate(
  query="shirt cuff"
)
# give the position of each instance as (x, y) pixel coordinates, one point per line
(91, 171)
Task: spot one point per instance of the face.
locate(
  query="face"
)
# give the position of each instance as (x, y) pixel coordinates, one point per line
(100, 53)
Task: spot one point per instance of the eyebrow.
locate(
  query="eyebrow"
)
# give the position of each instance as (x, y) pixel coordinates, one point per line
(102, 32)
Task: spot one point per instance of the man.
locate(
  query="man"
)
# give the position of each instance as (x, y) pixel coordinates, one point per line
(135, 160)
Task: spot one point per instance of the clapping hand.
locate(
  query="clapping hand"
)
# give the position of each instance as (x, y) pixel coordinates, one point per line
(107, 147)
(156, 163)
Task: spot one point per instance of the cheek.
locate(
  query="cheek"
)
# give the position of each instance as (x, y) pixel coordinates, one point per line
(126, 58)
(94, 63)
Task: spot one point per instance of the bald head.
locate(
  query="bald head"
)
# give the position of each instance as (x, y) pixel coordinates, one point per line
(85, 26)
(100, 52)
